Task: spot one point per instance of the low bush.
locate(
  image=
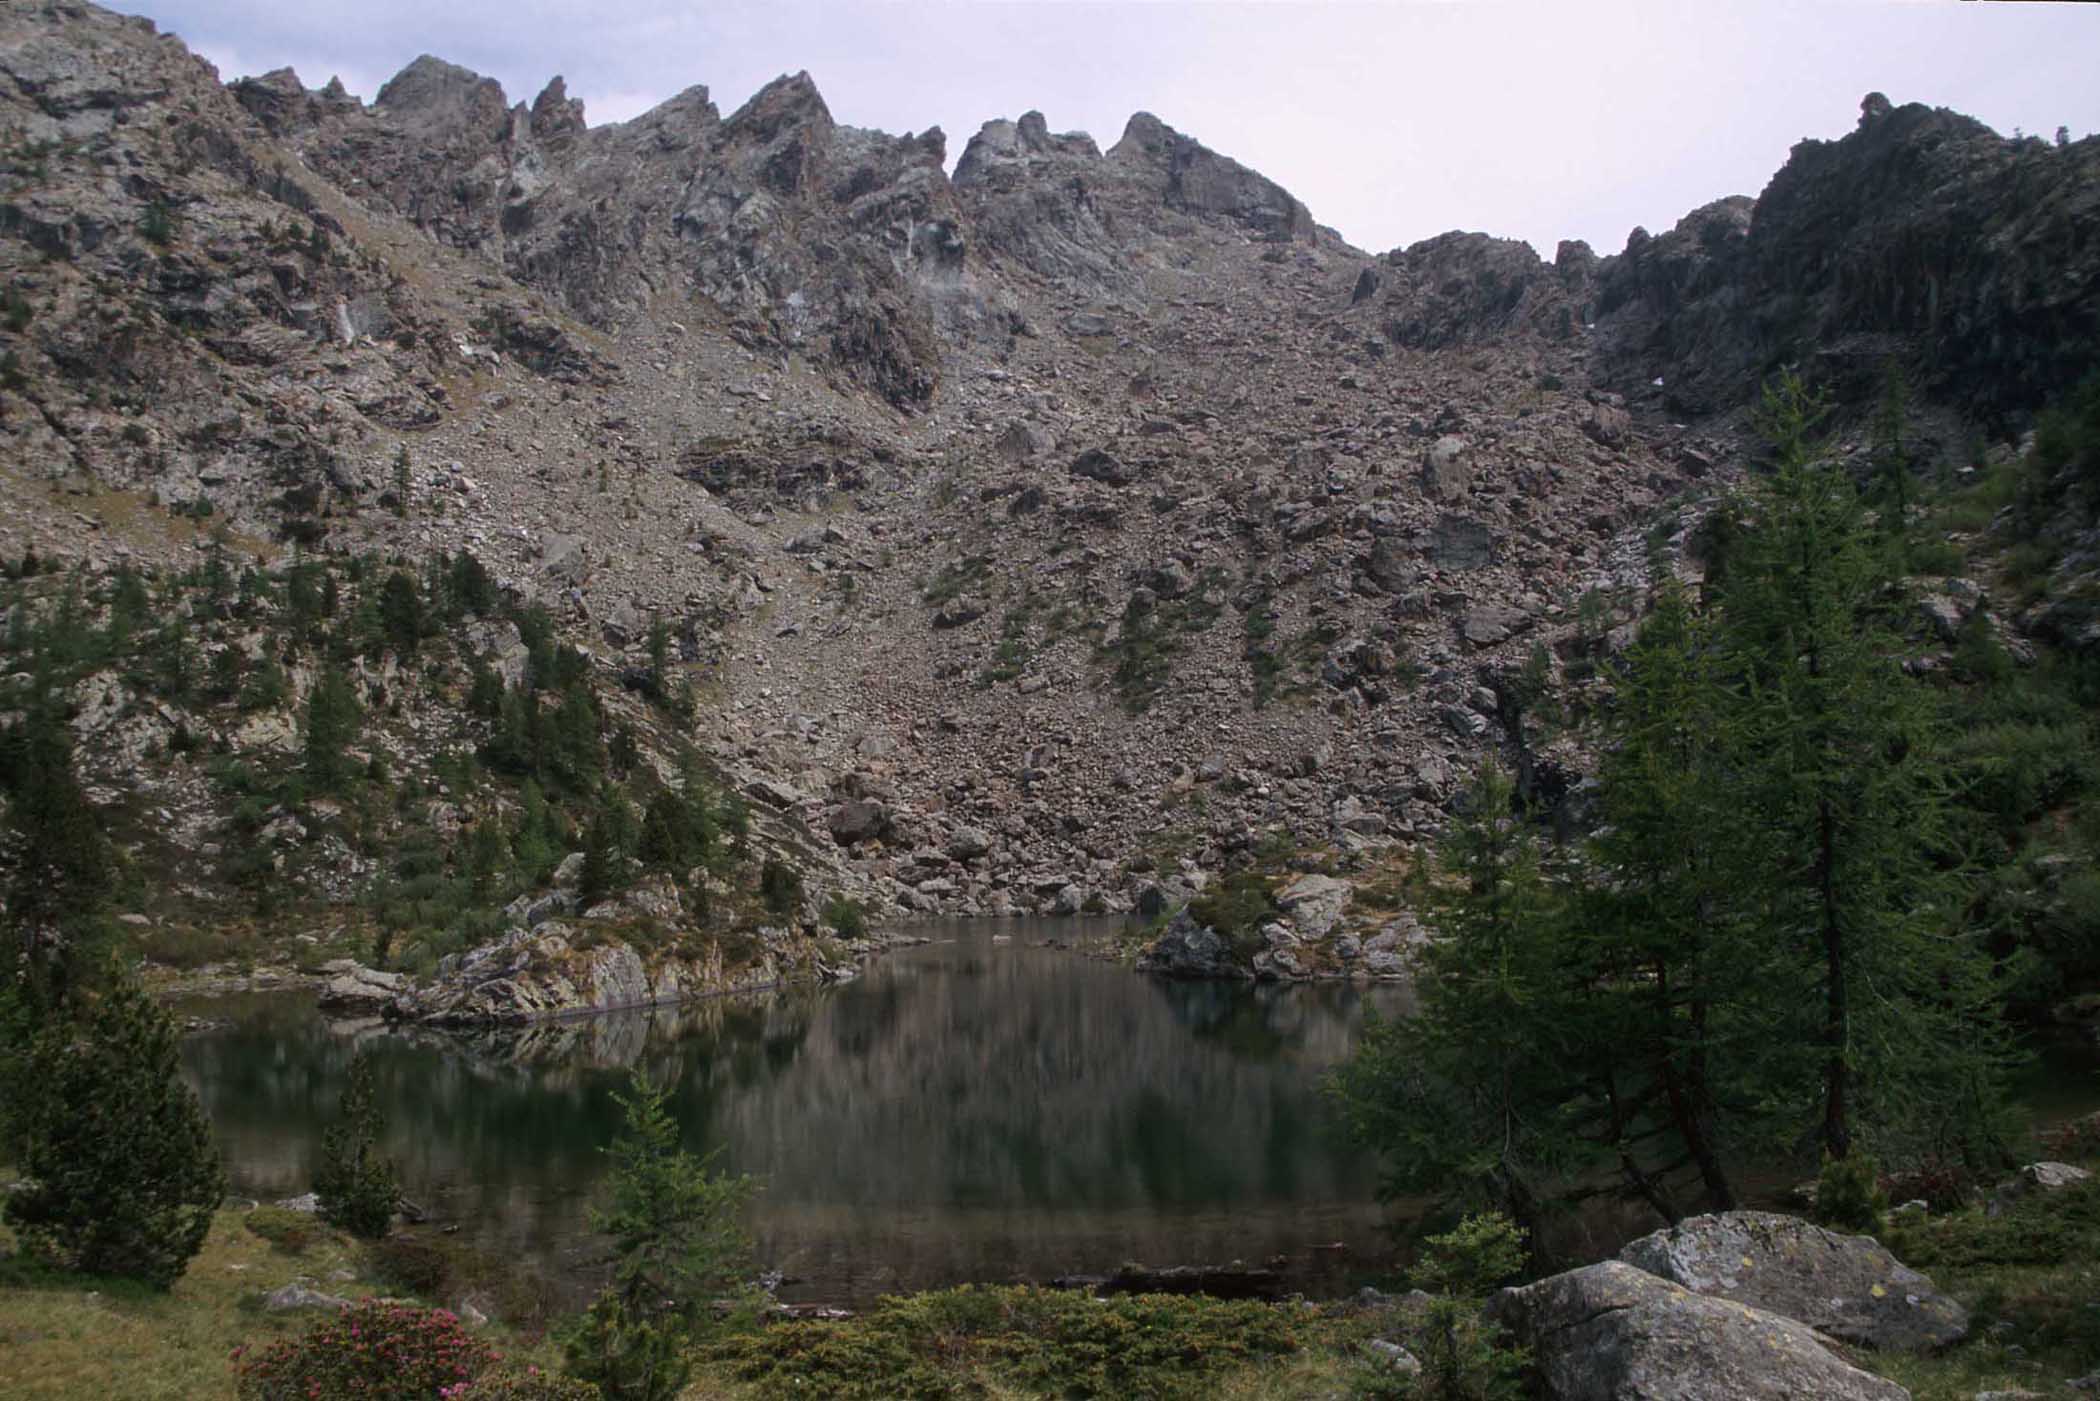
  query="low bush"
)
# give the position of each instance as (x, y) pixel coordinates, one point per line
(1848, 1193)
(412, 1264)
(2047, 1228)
(373, 1349)
(780, 886)
(952, 1342)
(1463, 1356)
(1942, 1184)
(1237, 907)
(523, 1384)
(288, 1230)
(190, 946)
(846, 917)
(2079, 1138)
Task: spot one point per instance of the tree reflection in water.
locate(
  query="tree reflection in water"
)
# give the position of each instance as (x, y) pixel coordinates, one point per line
(966, 1110)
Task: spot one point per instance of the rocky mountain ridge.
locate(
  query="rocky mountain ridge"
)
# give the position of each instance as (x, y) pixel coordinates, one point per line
(1044, 533)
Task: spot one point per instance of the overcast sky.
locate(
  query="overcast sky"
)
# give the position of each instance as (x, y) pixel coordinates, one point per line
(1392, 121)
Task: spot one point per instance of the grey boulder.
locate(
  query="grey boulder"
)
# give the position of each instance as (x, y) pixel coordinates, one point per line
(298, 1296)
(1847, 1287)
(1611, 1332)
(2032, 1180)
(1313, 904)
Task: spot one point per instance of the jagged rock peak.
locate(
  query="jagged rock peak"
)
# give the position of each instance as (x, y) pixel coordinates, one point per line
(789, 100)
(1002, 144)
(275, 99)
(1195, 178)
(432, 87)
(283, 81)
(554, 112)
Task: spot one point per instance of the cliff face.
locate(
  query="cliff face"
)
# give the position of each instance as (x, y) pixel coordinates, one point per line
(1921, 235)
(1039, 533)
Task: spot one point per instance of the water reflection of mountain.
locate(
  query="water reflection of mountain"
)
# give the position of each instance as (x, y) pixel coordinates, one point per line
(964, 1110)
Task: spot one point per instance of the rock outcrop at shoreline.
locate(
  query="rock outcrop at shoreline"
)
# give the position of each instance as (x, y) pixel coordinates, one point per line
(563, 970)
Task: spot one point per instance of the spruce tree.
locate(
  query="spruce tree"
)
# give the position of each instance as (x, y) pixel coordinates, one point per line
(121, 1174)
(679, 1248)
(1657, 937)
(332, 719)
(1891, 462)
(355, 1185)
(1838, 759)
(1476, 1094)
(61, 859)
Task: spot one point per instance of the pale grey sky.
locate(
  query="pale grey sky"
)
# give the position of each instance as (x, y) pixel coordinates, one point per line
(1393, 120)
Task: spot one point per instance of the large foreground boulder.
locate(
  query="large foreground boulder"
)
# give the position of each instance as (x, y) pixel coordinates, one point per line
(1611, 1332)
(1848, 1287)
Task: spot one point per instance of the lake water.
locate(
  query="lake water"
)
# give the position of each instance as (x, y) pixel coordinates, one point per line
(987, 1107)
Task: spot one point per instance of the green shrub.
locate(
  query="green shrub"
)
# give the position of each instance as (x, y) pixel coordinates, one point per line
(2068, 1142)
(192, 946)
(1848, 1194)
(411, 1263)
(780, 886)
(373, 1349)
(1237, 907)
(846, 917)
(1483, 1251)
(1039, 1341)
(288, 1230)
(2046, 1228)
(157, 224)
(679, 1246)
(1463, 1356)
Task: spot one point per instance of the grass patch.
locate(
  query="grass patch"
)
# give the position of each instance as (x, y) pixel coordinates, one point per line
(65, 1336)
(955, 579)
(2031, 1279)
(1141, 654)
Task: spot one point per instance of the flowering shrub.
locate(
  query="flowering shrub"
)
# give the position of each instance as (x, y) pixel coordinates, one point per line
(522, 1384)
(374, 1349)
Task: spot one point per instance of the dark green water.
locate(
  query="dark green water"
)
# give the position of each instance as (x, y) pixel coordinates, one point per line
(981, 1108)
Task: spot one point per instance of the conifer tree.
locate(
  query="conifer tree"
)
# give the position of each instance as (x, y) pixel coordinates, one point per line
(332, 719)
(1474, 1093)
(122, 1176)
(679, 1248)
(355, 1185)
(1838, 759)
(1660, 941)
(55, 843)
(1891, 461)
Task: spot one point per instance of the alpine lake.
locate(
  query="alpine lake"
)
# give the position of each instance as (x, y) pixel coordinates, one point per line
(989, 1106)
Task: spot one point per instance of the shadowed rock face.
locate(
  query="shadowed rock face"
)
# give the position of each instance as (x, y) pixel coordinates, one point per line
(1190, 176)
(1922, 234)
